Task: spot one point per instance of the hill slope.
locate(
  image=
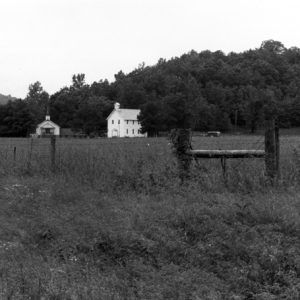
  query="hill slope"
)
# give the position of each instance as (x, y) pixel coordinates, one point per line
(4, 99)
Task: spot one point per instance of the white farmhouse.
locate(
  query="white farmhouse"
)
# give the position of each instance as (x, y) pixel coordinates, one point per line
(124, 123)
(47, 128)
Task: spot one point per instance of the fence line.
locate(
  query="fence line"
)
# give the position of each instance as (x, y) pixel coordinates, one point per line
(42, 155)
(181, 139)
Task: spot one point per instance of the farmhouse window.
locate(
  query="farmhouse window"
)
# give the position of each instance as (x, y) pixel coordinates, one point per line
(112, 122)
(118, 121)
(127, 131)
(132, 131)
(47, 130)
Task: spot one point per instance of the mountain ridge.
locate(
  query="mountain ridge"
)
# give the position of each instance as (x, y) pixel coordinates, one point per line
(4, 99)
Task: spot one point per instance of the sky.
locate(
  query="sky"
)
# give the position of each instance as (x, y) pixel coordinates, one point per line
(50, 40)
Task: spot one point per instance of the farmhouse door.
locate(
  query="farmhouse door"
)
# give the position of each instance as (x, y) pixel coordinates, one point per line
(115, 133)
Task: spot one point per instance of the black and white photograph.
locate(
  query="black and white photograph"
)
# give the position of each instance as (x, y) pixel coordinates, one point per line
(149, 150)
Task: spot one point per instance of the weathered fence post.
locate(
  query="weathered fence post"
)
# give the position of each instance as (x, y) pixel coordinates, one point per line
(15, 153)
(52, 152)
(277, 147)
(272, 148)
(181, 139)
(30, 155)
(224, 167)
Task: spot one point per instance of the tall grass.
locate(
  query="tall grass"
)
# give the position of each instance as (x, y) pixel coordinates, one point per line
(143, 164)
(114, 222)
(105, 160)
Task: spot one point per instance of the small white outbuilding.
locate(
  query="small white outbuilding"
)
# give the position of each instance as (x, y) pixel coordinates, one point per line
(124, 123)
(47, 128)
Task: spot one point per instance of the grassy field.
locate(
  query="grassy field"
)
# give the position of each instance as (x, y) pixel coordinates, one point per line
(122, 163)
(115, 222)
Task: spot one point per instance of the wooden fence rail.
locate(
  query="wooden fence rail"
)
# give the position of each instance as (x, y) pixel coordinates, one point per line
(181, 139)
(226, 153)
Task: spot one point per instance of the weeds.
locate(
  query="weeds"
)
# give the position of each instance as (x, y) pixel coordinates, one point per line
(113, 224)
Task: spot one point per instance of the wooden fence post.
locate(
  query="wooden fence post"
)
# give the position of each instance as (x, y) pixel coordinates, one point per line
(15, 153)
(30, 155)
(224, 168)
(277, 148)
(52, 152)
(272, 148)
(181, 139)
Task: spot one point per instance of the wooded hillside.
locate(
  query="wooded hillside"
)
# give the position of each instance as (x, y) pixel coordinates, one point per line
(204, 91)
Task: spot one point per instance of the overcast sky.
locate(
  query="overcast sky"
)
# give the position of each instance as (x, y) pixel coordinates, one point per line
(50, 40)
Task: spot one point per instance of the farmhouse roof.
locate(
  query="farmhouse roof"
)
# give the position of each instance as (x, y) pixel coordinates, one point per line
(127, 114)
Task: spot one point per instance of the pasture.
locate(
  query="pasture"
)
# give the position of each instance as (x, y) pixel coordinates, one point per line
(113, 221)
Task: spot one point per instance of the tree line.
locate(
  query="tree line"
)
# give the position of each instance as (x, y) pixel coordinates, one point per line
(203, 91)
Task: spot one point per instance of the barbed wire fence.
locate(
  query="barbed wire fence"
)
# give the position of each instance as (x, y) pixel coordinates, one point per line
(44, 155)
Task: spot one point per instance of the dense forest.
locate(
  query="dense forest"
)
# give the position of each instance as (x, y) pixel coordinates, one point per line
(203, 91)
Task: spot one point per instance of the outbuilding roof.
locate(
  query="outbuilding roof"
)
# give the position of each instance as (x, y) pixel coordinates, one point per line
(47, 124)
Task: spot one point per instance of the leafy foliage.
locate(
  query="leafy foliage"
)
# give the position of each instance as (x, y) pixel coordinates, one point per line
(16, 119)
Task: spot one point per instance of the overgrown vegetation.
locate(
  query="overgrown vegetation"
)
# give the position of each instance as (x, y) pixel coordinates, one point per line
(112, 223)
